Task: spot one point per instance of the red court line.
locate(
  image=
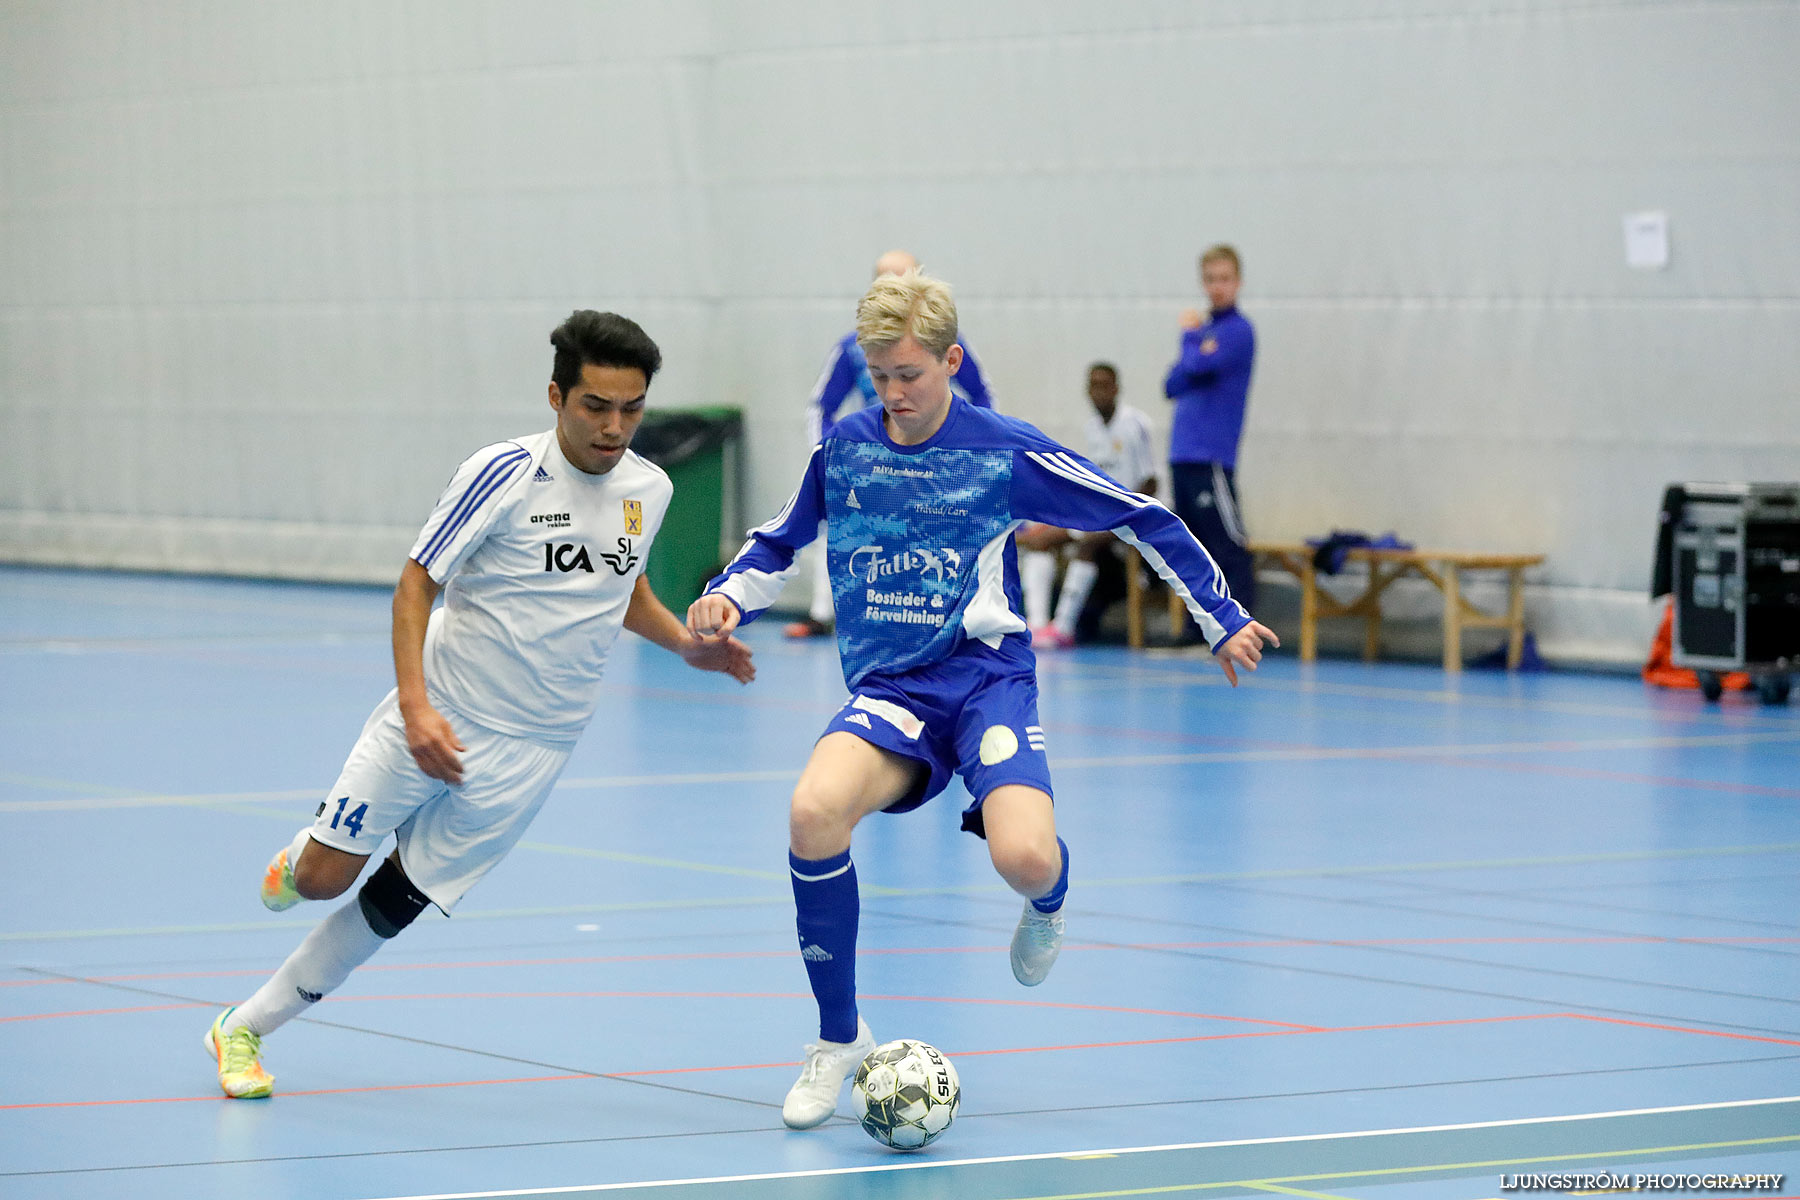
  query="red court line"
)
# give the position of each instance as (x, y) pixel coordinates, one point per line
(103, 1012)
(385, 1087)
(1719, 1033)
(1186, 739)
(761, 1066)
(1570, 772)
(1142, 1012)
(725, 955)
(1212, 1037)
(1257, 1033)
(1353, 943)
(685, 995)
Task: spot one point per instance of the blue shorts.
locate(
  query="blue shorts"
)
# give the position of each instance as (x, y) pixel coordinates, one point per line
(974, 714)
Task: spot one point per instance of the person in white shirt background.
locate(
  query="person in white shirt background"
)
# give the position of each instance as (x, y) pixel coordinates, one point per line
(1118, 441)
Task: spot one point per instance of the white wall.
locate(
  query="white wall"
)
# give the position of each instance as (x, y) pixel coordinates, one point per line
(274, 270)
(277, 270)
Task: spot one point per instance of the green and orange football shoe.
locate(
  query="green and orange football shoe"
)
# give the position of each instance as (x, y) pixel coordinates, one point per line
(278, 891)
(239, 1055)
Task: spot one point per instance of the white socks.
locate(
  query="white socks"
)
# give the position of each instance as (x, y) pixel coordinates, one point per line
(1078, 581)
(1037, 577)
(336, 946)
(299, 843)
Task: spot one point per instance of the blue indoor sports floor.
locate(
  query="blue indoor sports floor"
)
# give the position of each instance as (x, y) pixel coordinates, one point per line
(1345, 931)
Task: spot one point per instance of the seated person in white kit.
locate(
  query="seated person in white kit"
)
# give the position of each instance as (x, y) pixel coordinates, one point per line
(1118, 442)
(538, 545)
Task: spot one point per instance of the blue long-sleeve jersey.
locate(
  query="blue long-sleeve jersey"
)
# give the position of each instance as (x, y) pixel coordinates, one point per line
(1210, 385)
(920, 538)
(845, 379)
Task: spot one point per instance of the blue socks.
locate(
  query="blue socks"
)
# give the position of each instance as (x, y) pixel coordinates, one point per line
(1052, 900)
(826, 910)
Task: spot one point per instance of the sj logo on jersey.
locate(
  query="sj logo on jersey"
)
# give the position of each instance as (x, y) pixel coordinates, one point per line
(634, 518)
(566, 557)
(624, 560)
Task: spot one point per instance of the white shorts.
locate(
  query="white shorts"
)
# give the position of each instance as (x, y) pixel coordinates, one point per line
(449, 837)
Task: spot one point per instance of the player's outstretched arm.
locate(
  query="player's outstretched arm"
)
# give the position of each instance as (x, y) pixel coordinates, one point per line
(1244, 649)
(649, 619)
(1055, 485)
(433, 742)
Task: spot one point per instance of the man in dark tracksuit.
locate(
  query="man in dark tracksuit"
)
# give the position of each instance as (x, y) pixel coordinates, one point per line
(1210, 385)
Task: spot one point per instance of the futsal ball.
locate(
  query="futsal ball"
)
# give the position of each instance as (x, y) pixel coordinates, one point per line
(905, 1094)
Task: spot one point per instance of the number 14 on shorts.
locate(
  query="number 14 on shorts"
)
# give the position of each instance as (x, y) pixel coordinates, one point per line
(351, 820)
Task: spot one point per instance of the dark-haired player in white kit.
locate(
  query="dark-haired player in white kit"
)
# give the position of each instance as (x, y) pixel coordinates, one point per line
(538, 545)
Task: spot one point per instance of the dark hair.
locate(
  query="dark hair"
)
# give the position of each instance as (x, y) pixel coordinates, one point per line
(1104, 366)
(601, 340)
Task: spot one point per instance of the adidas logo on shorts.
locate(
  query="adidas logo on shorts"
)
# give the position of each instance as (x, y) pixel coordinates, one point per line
(858, 719)
(815, 953)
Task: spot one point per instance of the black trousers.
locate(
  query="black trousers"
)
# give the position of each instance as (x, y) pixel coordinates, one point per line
(1109, 588)
(1206, 500)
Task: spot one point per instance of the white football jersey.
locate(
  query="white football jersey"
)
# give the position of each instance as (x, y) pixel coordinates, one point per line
(1121, 447)
(539, 561)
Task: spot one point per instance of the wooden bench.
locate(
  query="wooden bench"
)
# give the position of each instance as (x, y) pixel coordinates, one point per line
(1443, 568)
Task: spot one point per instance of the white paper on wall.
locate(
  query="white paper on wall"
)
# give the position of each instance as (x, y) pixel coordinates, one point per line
(1647, 240)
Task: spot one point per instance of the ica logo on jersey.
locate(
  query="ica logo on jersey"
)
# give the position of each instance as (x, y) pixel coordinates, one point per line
(566, 557)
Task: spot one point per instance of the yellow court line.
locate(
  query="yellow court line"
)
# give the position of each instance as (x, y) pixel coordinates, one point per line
(1288, 1191)
(1379, 1172)
(61, 785)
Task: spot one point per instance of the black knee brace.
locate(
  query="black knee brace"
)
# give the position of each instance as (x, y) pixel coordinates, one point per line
(389, 900)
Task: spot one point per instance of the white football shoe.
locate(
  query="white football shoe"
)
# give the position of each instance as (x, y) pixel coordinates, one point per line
(1035, 945)
(814, 1096)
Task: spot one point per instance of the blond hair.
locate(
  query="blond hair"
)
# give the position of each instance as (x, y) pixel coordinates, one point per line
(913, 303)
(1222, 253)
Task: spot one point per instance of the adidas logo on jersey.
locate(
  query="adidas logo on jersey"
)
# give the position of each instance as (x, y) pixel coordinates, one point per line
(852, 501)
(542, 476)
(815, 953)
(858, 719)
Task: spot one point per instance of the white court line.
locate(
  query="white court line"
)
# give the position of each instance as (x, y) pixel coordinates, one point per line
(202, 799)
(96, 803)
(1297, 754)
(1352, 753)
(1090, 674)
(1009, 1158)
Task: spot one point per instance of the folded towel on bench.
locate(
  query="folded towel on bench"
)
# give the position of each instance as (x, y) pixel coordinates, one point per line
(1329, 552)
